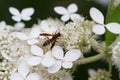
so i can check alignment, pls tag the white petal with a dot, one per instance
(36, 50)
(55, 68)
(16, 18)
(34, 33)
(113, 27)
(57, 52)
(27, 12)
(19, 26)
(67, 64)
(48, 61)
(96, 15)
(15, 76)
(23, 69)
(61, 10)
(32, 41)
(91, 72)
(65, 17)
(33, 61)
(73, 55)
(33, 76)
(44, 25)
(73, 8)
(98, 29)
(4, 55)
(26, 18)
(14, 11)
(21, 36)
(76, 16)
(3, 23)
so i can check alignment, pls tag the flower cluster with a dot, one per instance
(101, 75)
(116, 55)
(48, 50)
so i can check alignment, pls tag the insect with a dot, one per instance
(51, 40)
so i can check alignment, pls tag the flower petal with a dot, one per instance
(76, 16)
(61, 10)
(19, 26)
(57, 52)
(113, 27)
(4, 55)
(26, 13)
(26, 18)
(72, 8)
(14, 11)
(36, 50)
(32, 41)
(16, 18)
(33, 61)
(73, 55)
(21, 36)
(48, 61)
(67, 64)
(91, 72)
(55, 68)
(33, 76)
(96, 15)
(65, 17)
(23, 69)
(98, 29)
(16, 76)
(34, 33)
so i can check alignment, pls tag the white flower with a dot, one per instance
(25, 14)
(19, 25)
(37, 53)
(31, 39)
(68, 13)
(63, 61)
(24, 73)
(116, 55)
(47, 60)
(99, 28)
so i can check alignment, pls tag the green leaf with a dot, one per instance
(114, 16)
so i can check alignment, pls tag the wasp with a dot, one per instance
(51, 40)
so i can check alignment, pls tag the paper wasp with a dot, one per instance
(51, 40)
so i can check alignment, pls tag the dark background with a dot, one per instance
(43, 10)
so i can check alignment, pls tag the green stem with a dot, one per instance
(90, 59)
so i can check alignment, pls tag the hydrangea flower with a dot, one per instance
(68, 13)
(38, 57)
(25, 14)
(37, 53)
(31, 39)
(116, 55)
(63, 61)
(24, 73)
(99, 28)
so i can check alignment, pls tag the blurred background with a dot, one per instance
(44, 10)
